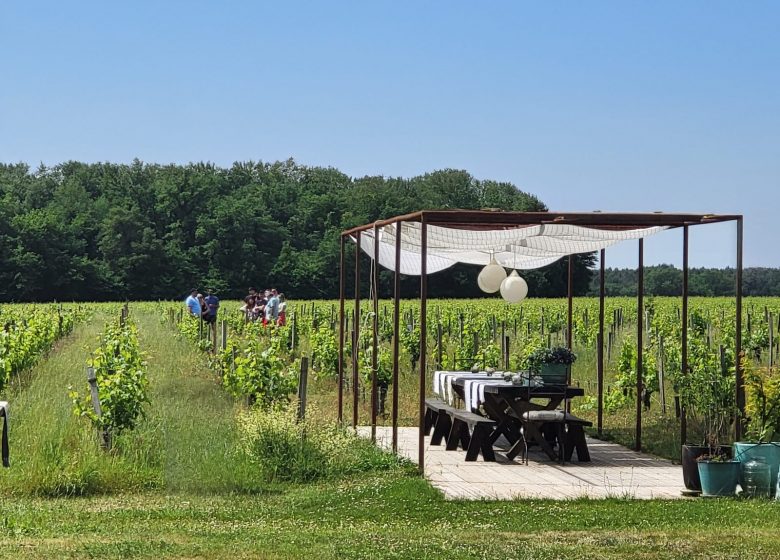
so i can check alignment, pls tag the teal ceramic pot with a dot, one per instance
(719, 479)
(690, 464)
(769, 453)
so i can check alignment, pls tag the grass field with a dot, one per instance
(396, 516)
(179, 486)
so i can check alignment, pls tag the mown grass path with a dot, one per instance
(191, 418)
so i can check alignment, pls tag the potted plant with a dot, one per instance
(718, 473)
(552, 364)
(762, 407)
(707, 394)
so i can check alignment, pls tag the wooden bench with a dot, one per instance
(437, 418)
(477, 441)
(571, 435)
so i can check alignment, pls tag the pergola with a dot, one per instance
(429, 241)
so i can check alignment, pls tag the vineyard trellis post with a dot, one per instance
(771, 340)
(303, 385)
(103, 433)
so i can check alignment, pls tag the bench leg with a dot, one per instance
(562, 443)
(485, 446)
(442, 428)
(430, 420)
(475, 444)
(480, 443)
(459, 434)
(576, 441)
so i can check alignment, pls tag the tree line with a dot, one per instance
(666, 280)
(105, 231)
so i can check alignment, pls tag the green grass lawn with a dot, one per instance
(389, 516)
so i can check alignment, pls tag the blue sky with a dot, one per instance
(636, 106)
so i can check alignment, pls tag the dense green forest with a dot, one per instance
(108, 231)
(142, 231)
(666, 280)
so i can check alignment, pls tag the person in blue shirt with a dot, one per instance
(212, 305)
(192, 303)
(272, 309)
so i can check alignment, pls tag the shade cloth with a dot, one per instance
(524, 247)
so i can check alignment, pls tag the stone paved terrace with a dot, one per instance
(614, 471)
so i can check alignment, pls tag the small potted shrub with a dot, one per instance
(762, 406)
(707, 393)
(552, 364)
(718, 473)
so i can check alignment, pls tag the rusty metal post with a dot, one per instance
(738, 337)
(684, 349)
(600, 355)
(396, 329)
(356, 336)
(342, 274)
(570, 309)
(423, 337)
(375, 345)
(640, 293)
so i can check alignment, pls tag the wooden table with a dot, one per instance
(505, 403)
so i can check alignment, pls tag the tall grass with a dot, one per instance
(305, 450)
(52, 452)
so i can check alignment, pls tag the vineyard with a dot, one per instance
(254, 362)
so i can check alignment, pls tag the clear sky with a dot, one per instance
(620, 105)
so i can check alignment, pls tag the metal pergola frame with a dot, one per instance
(490, 219)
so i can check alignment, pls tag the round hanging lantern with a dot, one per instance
(490, 278)
(514, 288)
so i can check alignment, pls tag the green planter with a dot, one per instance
(690, 464)
(769, 453)
(554, 374)
(719, 478)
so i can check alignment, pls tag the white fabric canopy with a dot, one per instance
(521, 248)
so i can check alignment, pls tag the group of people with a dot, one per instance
(203, 307)
(268, 306)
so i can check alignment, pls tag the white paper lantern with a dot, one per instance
(514, 288)
(490, 278)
